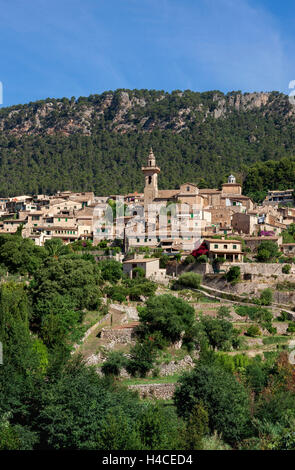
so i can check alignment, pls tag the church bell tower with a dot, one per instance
(150, 172)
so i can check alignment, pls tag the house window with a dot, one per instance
(235, 247)
(225, 247)
(66, 220)
(58, 219)
(216, 247)
(187, 188)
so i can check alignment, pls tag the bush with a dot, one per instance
(224, 397)
(284, 316)
(138, 272)
(142, 357)
(163, 261)
(268, 251)
(275, 340)
(223, 312)
(202, 259)
(286, 269)
(114, 363)
(258, 314)
(189, 280)
(291, 327)
(253, 331)
(233, 275)
(189, 260)
(266, 297)
(117, 293)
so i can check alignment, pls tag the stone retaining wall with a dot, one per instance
(117, 335)
(158, 391)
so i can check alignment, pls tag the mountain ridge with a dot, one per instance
(100, 142)
(130, 110)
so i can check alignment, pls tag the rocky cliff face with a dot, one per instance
(126, 111)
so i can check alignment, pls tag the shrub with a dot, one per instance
(267, 251)
(233, 275)
(291, 327)
(189, 260)
(142, 357)
(202, 259)
(163, 261)
(117, 293)
(114, 363)
(223, 312)
(218, 333)
(266, 297)
(275, 340)
(286, 269)
(189, 280)
(253, 331)
(284, 316)
(138, 272)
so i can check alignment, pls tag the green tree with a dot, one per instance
(233, 275)
(268, 251)
(219, 333)
(266, 297)
(114, 363)
(111, 270)
(225, 399)
(196, 428)
(168, 315)
(56, 248)
(75, 278)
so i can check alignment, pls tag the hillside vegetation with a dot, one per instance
(90, 143)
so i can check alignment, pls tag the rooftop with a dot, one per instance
(140, 260)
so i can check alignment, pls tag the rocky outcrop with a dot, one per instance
(129, 110)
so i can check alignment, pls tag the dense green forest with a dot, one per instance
(99, 143)
(50, 399)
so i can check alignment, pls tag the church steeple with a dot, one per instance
(151, 158)
(151, 172)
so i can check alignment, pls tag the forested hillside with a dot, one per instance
(100, 143)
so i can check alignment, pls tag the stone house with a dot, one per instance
(244, 223)
(151, 267)
(231, 250)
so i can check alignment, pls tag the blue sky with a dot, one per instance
(79, 47)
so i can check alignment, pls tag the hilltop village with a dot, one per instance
(176, 221)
